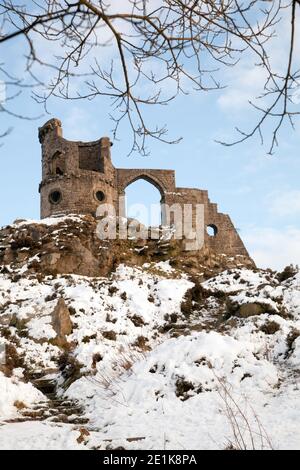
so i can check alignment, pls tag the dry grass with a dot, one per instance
(110, 381)
(20, 405)
(248, 432)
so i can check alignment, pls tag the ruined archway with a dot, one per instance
(143, 202)
(162, 180)
(154, 177)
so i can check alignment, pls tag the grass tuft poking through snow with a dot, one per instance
(151, 369)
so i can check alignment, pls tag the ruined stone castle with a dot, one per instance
(78, 176)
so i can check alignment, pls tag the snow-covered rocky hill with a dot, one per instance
(149, 357)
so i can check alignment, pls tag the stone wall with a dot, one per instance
(79, 176)
(89, 157)
(163, 180)
(86, 171)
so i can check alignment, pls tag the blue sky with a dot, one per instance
(260, 192)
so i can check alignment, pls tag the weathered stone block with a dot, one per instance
(61, 320)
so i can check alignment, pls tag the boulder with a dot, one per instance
(251, 309)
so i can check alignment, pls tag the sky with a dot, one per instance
(261, 193)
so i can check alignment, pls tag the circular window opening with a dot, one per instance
(212, 230)
(55, 197)
(100, 196)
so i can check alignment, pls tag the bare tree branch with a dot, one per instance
(157, 50)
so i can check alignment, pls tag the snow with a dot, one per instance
(146, 400)
(235, 280)
(295, 357)
(40, 327)
(163, 266)
(35, 435)
(49, 221)
(13, 390)
(173, 388)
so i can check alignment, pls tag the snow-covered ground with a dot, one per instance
(151, 374)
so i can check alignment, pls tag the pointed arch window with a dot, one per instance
(57, 164)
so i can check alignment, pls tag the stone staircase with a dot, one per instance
(53, 408)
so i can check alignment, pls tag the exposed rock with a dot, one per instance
(270, 327)
(5, 319)
(251, 309)
(111, 335)
(71, 246)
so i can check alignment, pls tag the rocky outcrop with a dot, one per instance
(70, 245)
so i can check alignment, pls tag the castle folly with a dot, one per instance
(78, 176)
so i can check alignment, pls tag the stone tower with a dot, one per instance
(78, 176)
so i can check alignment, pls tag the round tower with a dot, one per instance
(76, 176)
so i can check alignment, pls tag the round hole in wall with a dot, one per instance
(55, 197)
(212, 230)
(100, 196)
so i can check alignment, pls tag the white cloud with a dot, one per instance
(78, 124)
(246, 80)
(286, 203)
(273, 248)
(246, 83)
